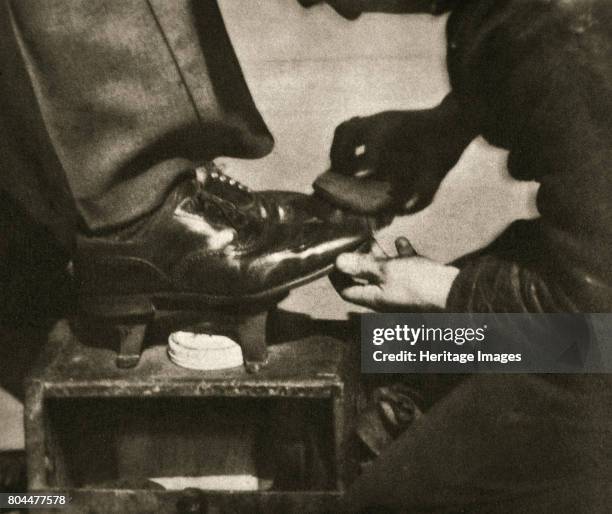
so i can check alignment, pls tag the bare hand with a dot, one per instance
(383, 283)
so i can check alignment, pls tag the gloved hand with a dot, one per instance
(394, 160)
(345, 8)
(351, 9)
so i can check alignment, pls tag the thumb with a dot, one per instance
(404, 248)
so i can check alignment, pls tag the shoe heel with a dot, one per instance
(131, 341)
(251, 336)
(129, 316)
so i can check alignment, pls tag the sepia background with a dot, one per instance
(308, 71)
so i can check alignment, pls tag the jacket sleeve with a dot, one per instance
(556, 96)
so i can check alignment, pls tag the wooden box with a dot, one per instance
(99, 433)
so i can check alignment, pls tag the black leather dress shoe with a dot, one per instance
(213, 242)
(216, 239)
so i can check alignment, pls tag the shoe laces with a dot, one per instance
(216, 173)
(213, 183)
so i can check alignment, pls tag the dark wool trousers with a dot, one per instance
(103, 103)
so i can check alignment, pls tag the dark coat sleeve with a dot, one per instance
(538, 75)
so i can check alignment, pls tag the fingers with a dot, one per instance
(342, 7)
(424, 188)
(345, 8)
(360, 265)
(404, 248)
(348, 137)
(377, 251)
(364, 295)
(351, 266)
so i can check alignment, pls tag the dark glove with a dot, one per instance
(344, 8)
(351, 9)
(394, 160)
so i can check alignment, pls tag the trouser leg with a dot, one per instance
(125, 96)
(499, 444)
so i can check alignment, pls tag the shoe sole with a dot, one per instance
(144, 305)
(242, 317)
